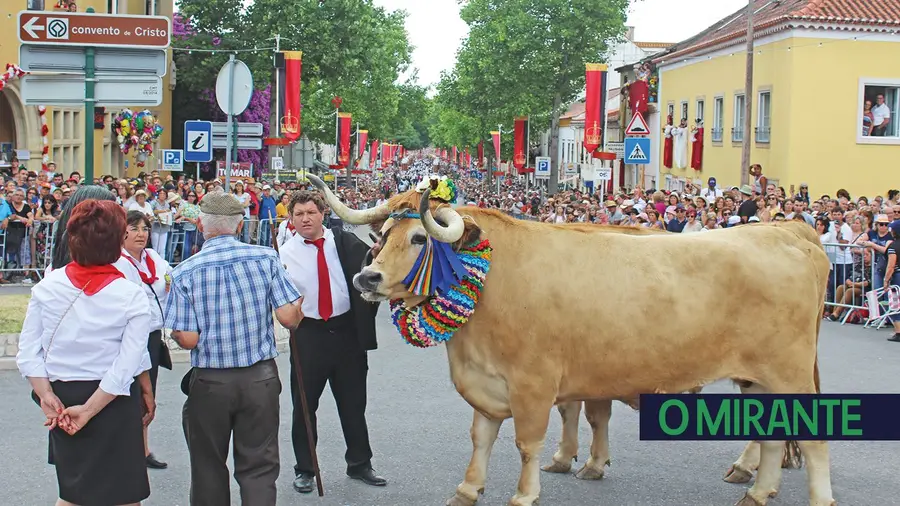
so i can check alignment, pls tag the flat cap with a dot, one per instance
(221, 204)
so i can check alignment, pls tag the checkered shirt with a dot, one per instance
(227, 292)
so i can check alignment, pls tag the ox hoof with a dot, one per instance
(460, 500)
(558, 467)
(590, 473)
(737, 475)
(793, 458)
(748, 500)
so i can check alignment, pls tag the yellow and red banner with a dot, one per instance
(595, 106)
(289, 123)
(343, 140)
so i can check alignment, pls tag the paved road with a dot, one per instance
(420, 433)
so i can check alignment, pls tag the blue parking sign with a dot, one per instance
(173, 159)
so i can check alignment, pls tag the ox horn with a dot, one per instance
(351, 216)
(447, 234)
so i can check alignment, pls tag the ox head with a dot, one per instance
(407, 222)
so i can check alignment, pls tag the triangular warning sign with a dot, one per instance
(637, 154)
(637, 126)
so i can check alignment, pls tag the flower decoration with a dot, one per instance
(138, 132)
(442, 188)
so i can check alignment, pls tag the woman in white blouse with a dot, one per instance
(140, 203)
(155, 274)
(83, 346)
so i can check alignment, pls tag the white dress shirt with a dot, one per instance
(158, 287)
(284, 235)
(103, 337)
(302, 264)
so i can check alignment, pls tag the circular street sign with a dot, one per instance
(242, 90)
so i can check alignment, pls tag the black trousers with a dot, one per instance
(241, 403)
(330, 352)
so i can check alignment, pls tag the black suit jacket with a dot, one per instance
(352, 252)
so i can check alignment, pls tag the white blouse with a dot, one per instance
(159, 286)
(103, 337)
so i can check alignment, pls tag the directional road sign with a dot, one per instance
(91, 29)
(220, 129)
(70, 59)
(638, 125)
(616, 147)
(637, 150)
(112, 90)
(173, 159)
(243, 143)
(198, 146)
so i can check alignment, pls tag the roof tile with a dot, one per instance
(769, 13)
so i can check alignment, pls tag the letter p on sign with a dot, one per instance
(173, 159)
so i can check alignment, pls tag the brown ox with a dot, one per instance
(545, 338)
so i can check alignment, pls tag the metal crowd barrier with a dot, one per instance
(11, 262)
(848, 282)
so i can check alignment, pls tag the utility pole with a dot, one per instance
(748, 99)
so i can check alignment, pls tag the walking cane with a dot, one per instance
(303, 404)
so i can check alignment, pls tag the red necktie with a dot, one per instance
(325, 307)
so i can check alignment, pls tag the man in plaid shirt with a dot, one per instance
(220, 307)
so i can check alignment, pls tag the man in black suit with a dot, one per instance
(334, 337)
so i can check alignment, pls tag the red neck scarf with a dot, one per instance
(291, 228)
(93, 278)
(150, 267)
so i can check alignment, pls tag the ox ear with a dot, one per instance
(471, 234)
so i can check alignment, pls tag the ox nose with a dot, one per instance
(367, 281)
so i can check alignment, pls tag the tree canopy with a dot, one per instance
(351, 49)
(523, 57)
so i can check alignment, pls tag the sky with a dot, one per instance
(435, 29)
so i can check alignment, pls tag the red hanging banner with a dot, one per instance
(385, 154)
(373, 154)
(362, 141)
(453, 156)
(594, 106)
(481, 154)
(468, 158)
(344, 120)
(520, 129)
(495, 136)
(290, 120)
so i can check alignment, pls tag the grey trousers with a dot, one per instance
(242, 403)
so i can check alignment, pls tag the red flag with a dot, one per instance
(362, 141)
(480, 153)
(290, 121)
(344, 120)
(373, 154)
(520, 159)
(496, 138)
(468, 158)
(697, 148)
(594, 106)
(453, 156)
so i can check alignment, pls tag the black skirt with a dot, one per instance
(103, 464)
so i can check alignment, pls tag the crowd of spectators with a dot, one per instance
(858, 232)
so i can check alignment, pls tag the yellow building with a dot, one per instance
(816, 64)
(20, 125)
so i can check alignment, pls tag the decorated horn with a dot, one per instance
(351, 216)
(446, 234)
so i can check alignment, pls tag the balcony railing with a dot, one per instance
(717, 134)
(762, 134)
(737, 135)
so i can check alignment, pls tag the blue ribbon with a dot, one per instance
(447, 269)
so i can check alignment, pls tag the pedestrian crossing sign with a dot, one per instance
(637, 150)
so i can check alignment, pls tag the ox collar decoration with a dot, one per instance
(437, 319)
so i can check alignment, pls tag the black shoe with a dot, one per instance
(895, 338)
(367, 476)
(153, 463)
(304, 483)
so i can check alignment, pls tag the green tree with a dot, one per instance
(351, 49)
(527, 57)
